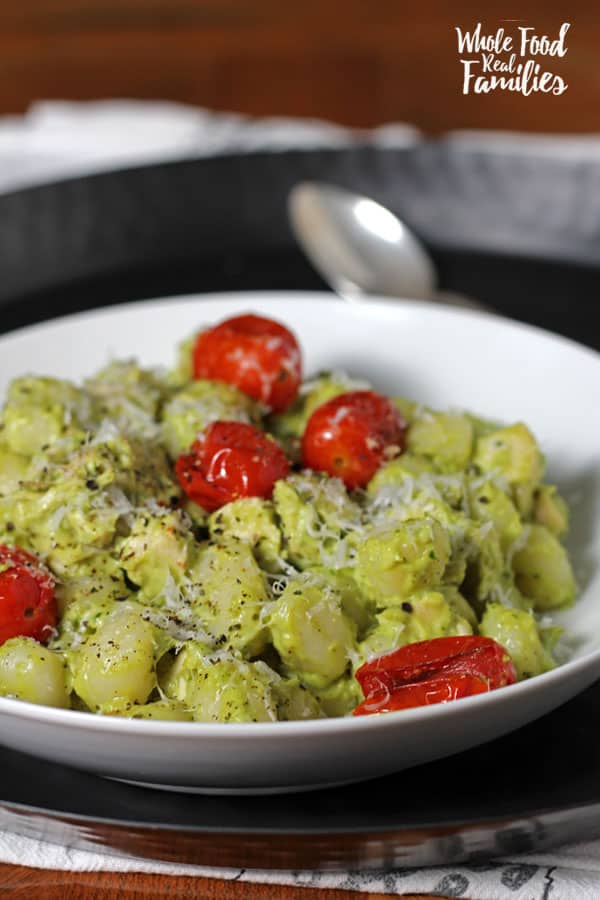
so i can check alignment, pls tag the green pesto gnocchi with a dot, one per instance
(263, 609)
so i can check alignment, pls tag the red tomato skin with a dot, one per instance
(350, 436)
(469, 654)
(27, 601)
(425, 693)
(415, 674)
(230, 460)
(258, 355)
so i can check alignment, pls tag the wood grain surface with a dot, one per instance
(356, 63)
(24, 884)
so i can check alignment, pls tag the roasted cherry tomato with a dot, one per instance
(228, 461)
(426, 693)
(433, 671)
(27, 601)
(257, 355)
(351, 435)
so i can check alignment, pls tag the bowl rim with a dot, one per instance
(89, 721)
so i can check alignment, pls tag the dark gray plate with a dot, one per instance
(527, 791)
(519, 233)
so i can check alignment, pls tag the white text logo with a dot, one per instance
(511, 62)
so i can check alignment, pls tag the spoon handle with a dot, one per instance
(450, 298)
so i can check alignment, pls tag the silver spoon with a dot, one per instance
(360, 247)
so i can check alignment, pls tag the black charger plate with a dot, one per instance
(527, 791)
(519, 233)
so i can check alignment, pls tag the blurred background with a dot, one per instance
(218, 107)
(354, 62)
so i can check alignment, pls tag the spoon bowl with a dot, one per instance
(358, 245)
(361, 248)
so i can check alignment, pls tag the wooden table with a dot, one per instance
(334, 59)
(23, 884)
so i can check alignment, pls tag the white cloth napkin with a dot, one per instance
(570, 873)
(59, 140)
(558, 146)
(62, 139)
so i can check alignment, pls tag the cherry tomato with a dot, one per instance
(433, 690)
(259, 356)
(351, 435)
(228, 461)
(27, 601)
(433, 671)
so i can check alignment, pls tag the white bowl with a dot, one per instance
(442, 357)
